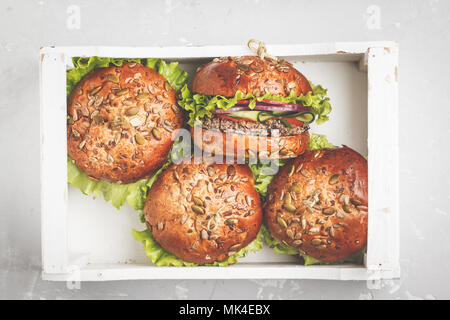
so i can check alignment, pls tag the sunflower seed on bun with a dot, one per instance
(121, 121)
(318, 204)
(282, 127)
(204, 213)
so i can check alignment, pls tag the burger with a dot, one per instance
(204, 213)
(259, 107)
(121, 116)
(317, 205)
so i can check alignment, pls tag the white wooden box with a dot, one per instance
(87, 239)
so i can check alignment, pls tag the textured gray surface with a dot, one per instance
(421, 26)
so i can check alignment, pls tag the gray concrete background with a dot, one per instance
(422, 29)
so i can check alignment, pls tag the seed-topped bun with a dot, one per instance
(318, 204)
(121, 121)
(204, 213)
(249, 74)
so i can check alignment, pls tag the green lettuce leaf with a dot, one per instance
(200, 105)
(281, 248)
(160, 257)
(278, 247)
(133, 193)
(262, 179)
(176, 77)
(319, 141)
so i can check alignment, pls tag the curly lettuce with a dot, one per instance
(133, 193)
(176, 77)
(200, 105)
(319, 141)
(277, 247)
(262, 180)
(160, 257)
(281, 248)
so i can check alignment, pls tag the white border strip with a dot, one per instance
(53, 163)
(383, 237)
(219, 51)
(239, 271)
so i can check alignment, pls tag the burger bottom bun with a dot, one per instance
(236, 145)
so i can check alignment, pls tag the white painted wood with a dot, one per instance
(383, 238)
(53, 162)
(362, 65)
(238, 271)
(72, 249)
(318, 49)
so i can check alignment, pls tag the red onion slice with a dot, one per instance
(265, 105)
(232, 109)
(285, 107)
(273, 102)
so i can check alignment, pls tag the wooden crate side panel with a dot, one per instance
(53, 163)
(383, 239)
